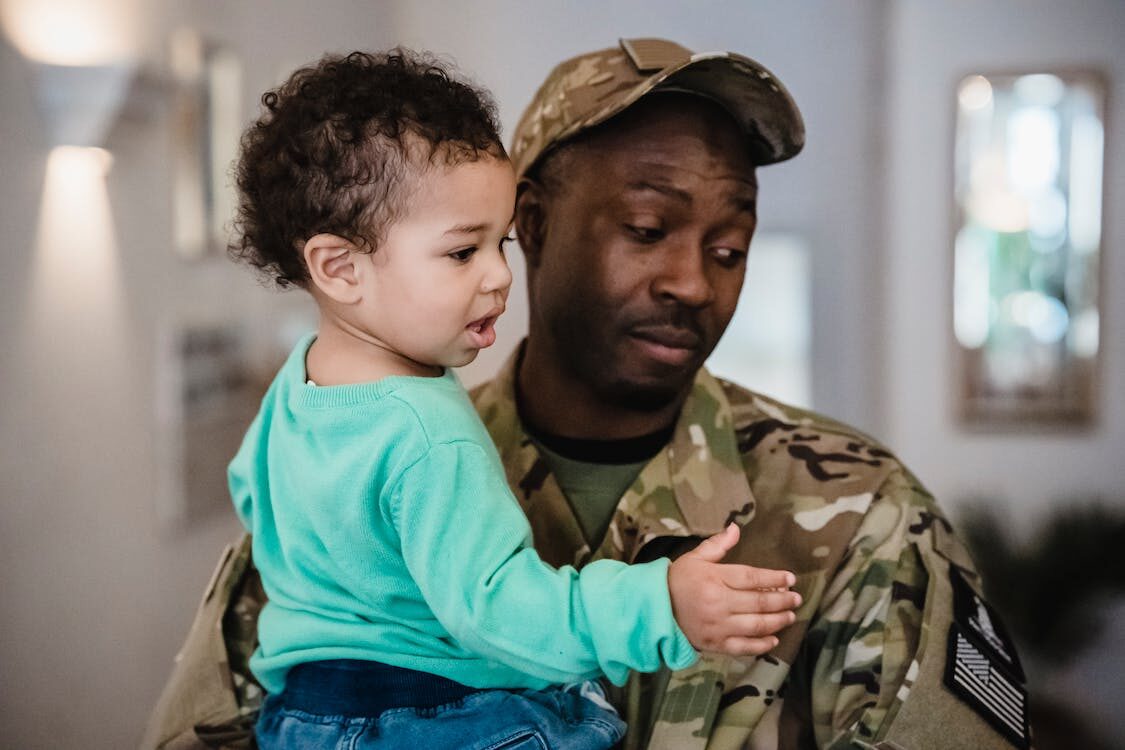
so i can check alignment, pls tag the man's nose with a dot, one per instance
(682, 276)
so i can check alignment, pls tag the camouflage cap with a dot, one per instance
(591, 88)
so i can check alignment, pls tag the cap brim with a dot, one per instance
(750, 93)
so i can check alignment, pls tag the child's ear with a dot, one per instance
(331, 261)
(531, 219)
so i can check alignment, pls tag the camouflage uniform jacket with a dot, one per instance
(862, 666)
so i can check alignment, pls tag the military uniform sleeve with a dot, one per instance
(904, 653)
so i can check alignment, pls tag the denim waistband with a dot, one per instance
(357, 688)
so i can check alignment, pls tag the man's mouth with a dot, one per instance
(671, 344)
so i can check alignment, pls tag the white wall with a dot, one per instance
(1030, 472)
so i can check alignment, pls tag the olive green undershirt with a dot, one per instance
(592, 489)
(593, 474)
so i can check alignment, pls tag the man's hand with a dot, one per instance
(729, 609)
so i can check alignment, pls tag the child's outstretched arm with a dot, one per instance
(730, 609)
(472, 560)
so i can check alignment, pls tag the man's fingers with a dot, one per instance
(713, 548)
(750, 602)
(747, 577)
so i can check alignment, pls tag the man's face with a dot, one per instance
(646, 226)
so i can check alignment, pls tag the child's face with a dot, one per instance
(440, 279)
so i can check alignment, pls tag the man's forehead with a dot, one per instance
(671, 172)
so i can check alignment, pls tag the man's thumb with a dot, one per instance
(714, 548)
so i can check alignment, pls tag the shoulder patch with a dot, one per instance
(982, 667)
(973, 613)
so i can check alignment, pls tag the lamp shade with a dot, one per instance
(80, 103)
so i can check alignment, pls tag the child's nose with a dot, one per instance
(498, 278)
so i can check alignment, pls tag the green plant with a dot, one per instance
(1047, 589)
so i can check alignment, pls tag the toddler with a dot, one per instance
(407, 607)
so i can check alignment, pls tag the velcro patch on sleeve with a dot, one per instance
(982, 667)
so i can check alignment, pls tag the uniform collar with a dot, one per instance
(694, 487)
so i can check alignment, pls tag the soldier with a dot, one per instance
(635, 209)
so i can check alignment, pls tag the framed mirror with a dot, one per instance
(1028, 190)
(207, 123)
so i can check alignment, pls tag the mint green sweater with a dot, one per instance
(384, 529)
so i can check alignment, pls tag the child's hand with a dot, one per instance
(730, 609)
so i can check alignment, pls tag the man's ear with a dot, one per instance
(531, 219)
(331, 261)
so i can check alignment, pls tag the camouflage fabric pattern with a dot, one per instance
(811, 496)
(211, 699)
(240, 628)
(590, 88)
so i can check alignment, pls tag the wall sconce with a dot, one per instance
(80, 103)
(82, 57)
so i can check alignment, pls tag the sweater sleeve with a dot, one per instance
(467, 544)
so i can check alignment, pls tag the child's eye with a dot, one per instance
(463, 254)
(505, 241)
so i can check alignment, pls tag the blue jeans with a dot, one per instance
(326, 708)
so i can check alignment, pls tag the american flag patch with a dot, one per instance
(979, 619)
(978, 678)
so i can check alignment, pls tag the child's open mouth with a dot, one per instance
(482, 330)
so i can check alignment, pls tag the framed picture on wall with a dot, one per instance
(207, 395)
(1028, 185)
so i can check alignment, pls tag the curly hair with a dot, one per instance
(338, 147)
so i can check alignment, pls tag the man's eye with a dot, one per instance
(645, 234)
(463, 254)
(728, 257)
